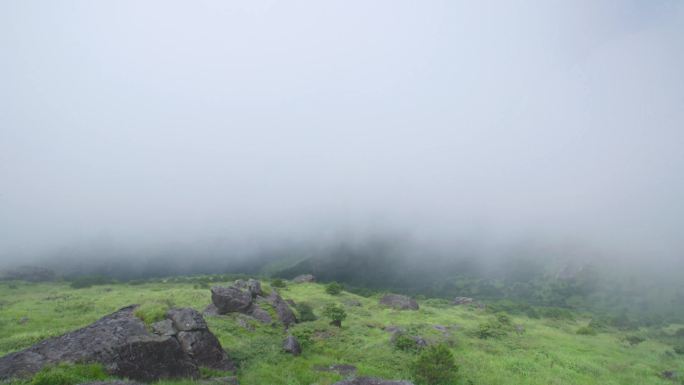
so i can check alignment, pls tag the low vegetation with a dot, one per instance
(465, 344)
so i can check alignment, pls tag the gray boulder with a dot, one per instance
(150, 358)
(251, 285)
(291, 345)
(304, 278)
(260, 314)
(230, 299)
(371, 381)
(399, 302)
(122, 344)
(186, 319)
(164, 328)
(205, 349)
(285, 314)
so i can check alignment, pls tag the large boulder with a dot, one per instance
(230, 299)
(304, 278)
(285, 314)
(122, 344)
(371, 381)
(251, 285)
(150, 358)
(400, 302)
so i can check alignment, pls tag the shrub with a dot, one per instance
(333, 288)
(305, 311)
(405, 342)
(490, 330)
(679, 332)
(634, 340)
(68, 374)
(679, 349)
(556, 313)
(503, 319)
(586, 331)
(335, 313)
(435, 366)
(278, 283)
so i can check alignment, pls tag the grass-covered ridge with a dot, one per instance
(489, 348)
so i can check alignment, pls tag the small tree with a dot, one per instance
(306, 313)
(435, 366)
(278, 283)
(333, 288)
(335, 313)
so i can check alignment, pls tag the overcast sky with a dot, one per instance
(148, 122)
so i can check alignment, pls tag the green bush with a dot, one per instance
(556, 313)
(68, 374)
(679, 349)
(679, 332)
(634, 340)
(405, 342)
(278, 283)
(586, 331)
(305, 311)
(435, 366)
(334, 288)
(487, 330)
(335, 313)
(503, 319)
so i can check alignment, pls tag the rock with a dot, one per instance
(164, 328)
(285, 314)
(211, 310)
(150, 358)
(260, 314)
(230, 299)
(371, 381)
(251, 285)
(291, 345)
(122, 344)
(669, 375)
(399, 302)
(304, 278)
(462, 301)
(23, 320)
(343, 370)
(205, 349)
(186, 319)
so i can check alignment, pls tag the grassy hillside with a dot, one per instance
(547, 351)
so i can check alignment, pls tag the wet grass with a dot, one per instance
(547, 352)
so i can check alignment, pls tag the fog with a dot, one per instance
(249, 127)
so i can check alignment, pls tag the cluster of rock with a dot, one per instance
(246, 297)
(122, 344)
(399, 302)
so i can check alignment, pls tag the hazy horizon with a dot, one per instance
(161, 125)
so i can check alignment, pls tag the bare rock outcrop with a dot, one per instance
(121, 343)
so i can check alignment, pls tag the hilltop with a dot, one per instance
(490, 347)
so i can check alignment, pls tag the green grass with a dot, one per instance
(548, 352)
